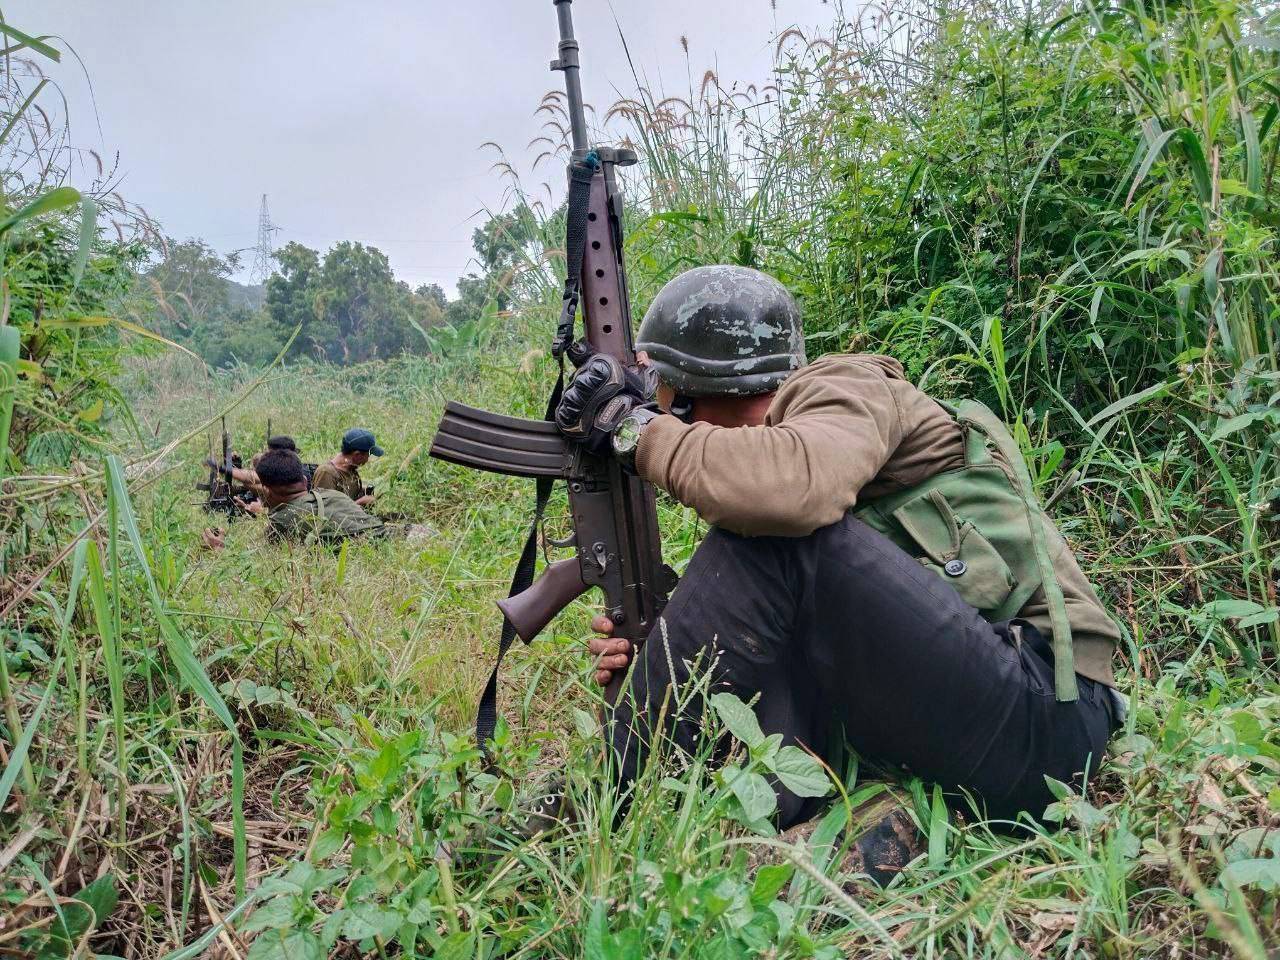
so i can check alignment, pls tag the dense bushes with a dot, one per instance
(1067, 211)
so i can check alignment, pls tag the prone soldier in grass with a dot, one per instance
(294, 512)
(878, 570)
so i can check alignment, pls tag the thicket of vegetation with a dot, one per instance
(345, 305)
(1068, 211)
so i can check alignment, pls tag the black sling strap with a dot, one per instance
(580, 174)
(487, 710)
(575, 245)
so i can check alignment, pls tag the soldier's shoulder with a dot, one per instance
(846, 367)
(305, 504)
(877, 363)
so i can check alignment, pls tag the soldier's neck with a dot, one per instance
(732, 411)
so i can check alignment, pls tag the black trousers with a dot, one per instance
(847, 638)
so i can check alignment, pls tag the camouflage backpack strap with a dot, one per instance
(318, 524)
(975, 444)
(980, 422)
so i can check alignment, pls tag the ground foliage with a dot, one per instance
(1068, 211)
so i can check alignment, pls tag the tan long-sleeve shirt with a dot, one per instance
(842, 431)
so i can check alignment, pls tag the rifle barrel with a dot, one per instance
(568, 63)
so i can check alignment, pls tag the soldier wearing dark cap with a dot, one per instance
(342, 473)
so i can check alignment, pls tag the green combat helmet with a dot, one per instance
(723, 331)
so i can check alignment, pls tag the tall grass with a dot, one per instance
(1065, 210)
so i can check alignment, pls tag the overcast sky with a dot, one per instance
(359, 120)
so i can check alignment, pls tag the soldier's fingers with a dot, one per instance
(601, 624)
(603, 677)
(618, 662)
(603, 646)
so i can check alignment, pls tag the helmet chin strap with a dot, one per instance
(682, 407)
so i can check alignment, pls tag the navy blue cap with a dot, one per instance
(357, 439)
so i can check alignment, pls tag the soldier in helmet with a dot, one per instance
(878, 570)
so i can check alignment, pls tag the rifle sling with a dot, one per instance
(581, 173)
(487, 710)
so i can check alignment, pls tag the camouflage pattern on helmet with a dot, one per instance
(723, 331)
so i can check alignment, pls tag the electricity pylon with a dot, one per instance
(262, 253)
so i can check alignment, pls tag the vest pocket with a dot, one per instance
(956, 550)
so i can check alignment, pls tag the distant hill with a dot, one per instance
(251, 295)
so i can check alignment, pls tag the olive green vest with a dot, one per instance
(982, 532)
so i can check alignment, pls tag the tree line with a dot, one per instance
(346, 303)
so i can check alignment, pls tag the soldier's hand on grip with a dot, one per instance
(611, 654)
(601, 393)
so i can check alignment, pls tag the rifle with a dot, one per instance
(221, 485)
(614, 515)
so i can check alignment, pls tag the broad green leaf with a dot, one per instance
(937, 831)
(1231, 609)
(18, 755)
(1059, 789)
(365, 920)
(457, 946)
(770, 880)
(26, 41)
(1124, 403)
(587, 725)
(1225, 428)
(88, 230)
(593, 941)
(282, 945)
(98, 899)
(328, 844)
(1254, 842)
(753, 792)
(800, 773)
(331, 928)
(275, 914)
(57, 199)
(1262, 873)
(738, 718)
(1248, 729)
(1259, 619)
